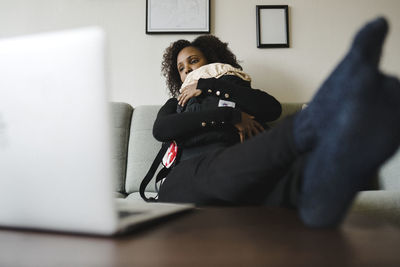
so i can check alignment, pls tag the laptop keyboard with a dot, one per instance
(123, 214)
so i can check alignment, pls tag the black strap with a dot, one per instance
(146, 180)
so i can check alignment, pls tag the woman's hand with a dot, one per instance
(248, 127)
(187, 93)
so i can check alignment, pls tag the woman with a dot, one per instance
(310, 161)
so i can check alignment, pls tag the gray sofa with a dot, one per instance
(135, 149)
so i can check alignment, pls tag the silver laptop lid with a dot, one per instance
(55, 167)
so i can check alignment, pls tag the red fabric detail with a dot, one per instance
(170, 156)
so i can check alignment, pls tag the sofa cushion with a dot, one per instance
(380, 203)
(143, 148)
(121, 114)
(135, 197)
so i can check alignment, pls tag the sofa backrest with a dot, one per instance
(389, 174)
(143, 147)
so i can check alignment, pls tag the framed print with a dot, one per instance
(177, 16)
(272, 26)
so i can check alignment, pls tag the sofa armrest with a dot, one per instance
(121, 114)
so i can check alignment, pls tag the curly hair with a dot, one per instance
(214, 50)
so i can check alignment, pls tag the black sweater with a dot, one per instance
(170, 125)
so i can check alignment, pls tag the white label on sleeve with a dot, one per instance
(224, 103)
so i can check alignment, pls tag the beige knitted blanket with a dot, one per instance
(213, 70)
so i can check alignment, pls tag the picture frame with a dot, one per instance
(177, 16)
(272, 26)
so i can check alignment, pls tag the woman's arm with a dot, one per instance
(252, 101)
(170, 125)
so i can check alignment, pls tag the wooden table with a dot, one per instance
(244, 236)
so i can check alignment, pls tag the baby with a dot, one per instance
(213, 70)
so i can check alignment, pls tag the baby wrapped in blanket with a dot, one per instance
(213, 70)
(211, 101)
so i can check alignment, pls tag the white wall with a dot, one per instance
(321, 31)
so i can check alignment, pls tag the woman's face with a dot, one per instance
(189, 59)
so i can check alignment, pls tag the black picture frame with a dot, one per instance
(178, 17)
(272, 26)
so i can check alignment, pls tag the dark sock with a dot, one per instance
(366, 49)
(363, 135)
(358, 136)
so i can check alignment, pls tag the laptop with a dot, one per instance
(55, 142)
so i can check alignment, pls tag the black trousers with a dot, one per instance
(264, 170)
